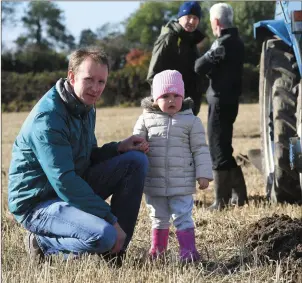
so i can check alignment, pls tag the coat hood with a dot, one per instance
(173, 26)
(148, 104)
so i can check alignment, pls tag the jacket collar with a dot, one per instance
(231, 31)
(192, 37)
(73, 104)
(147, 104)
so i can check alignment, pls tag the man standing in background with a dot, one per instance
(176, 49)
(223, 64)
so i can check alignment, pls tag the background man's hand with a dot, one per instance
(203, 183)
(134, 143)
(216, 53)
(120, 240)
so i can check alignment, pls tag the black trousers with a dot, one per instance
(196, 97)
(221, 117)
(197, 104)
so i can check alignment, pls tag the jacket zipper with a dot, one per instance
(84, 132)
(178, 44)
(166, 161)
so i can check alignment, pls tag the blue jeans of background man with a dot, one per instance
(60, 227)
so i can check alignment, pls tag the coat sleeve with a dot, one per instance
(205, 63)
(200, 150)
(160, 52)
(105, 152)
(50, 143)
(140, 128)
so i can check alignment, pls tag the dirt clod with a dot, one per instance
(275, 238)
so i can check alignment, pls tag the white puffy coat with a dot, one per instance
(178, 151)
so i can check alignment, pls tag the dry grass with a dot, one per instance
(217, 233)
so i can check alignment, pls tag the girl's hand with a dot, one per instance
(203, 183)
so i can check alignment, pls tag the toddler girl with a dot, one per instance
(178, 156)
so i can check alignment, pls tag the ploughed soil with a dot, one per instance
(275, 238)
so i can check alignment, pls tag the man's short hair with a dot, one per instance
(93, 52)
(224, 13)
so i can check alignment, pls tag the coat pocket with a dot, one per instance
(190, 171)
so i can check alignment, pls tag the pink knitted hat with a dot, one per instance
(168, 81)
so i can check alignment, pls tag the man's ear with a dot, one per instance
(71, 77)
(217, 22)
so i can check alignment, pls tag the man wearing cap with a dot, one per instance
(176, 49)
(223, 64)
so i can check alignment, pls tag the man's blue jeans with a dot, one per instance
(61, 228)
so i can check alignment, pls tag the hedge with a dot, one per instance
(124, 87)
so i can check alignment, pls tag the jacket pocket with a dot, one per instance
(189, 171)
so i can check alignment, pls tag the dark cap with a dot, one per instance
(190, 8)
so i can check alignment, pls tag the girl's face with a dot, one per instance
(170, 103)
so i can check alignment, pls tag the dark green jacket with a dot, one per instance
(176, 49)
(55, 146)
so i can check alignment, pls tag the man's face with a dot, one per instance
(89, 81)
(189, 22)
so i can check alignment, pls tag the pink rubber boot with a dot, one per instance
(159, 242)
(186, 240)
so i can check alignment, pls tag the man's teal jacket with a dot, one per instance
(50, 155)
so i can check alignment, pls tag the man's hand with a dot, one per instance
(120, 240)
(216, 53)
(134, 143)
(203, 183)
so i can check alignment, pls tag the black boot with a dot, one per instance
(223, 189)
(114, 260)
(239, 194)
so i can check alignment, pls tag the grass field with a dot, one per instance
(217, 234)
